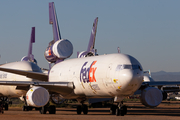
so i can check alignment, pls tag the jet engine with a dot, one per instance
(61, 49)
(37, 96)
(86, 54)
(26, 58)
(151, 97)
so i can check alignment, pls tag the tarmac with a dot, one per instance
(136, 111)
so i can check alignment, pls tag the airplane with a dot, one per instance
(27, 63)
(89, 77)
(161, 85)
(92, 52)
(114, 76)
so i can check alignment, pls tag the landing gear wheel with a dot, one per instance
(43, 110)
(124, 109)
(52, 109)
(113, 110)
(25, 108)
(79, 109)
(121, 112)
(121, 109)
(117, 112)
(6, 106)
(29, 108)
(85, 109)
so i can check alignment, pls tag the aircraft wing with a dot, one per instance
(29, 74)
(62, 88)
(168, 85)
(161, 83)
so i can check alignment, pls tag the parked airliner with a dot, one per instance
(104, 76)
(27, 63)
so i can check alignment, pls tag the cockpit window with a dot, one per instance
(132, 67)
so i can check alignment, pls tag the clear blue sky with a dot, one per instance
(147, 30)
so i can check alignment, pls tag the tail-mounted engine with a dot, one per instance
(26, 58)
(86, 54)
(37, 97)
(59, 50)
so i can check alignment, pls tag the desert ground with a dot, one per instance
(167, 110)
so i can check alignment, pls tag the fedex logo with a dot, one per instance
(87, 73)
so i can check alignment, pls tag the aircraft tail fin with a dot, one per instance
(53, 20)
(93, 36)
(32, 40)
(30, 56)
(90, 50)
(58, 49)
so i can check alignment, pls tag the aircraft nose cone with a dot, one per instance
(131, 80)
(126, 76)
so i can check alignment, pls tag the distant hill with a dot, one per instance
(165, 76)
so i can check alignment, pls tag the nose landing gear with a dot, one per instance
(118, 109)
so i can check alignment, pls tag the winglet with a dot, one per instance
(93, 36)
(53, 20)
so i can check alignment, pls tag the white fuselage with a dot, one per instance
(11, 91)
(100, 76)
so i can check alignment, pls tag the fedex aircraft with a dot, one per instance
(27, 63)
(146, 80)
(104, 76)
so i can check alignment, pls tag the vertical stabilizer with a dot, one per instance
(58, 49)
(30, 56)
(53, 20)
(90, 50)
(93, 36)
(32, 40)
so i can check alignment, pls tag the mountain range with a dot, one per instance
(165, 76)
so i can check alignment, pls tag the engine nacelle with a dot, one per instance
(151, 97)
(26, 58)
(37, 96)
(61, 49)
(85, 54)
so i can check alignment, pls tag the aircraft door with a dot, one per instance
(108, 80)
